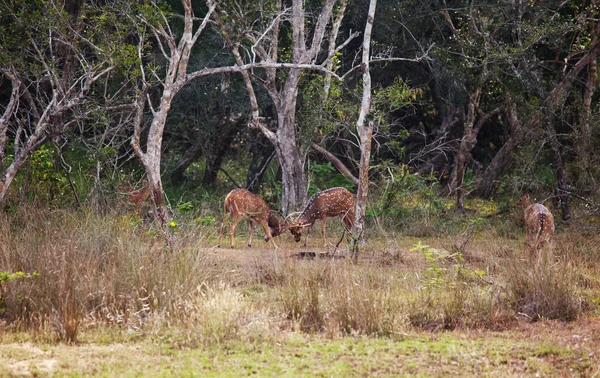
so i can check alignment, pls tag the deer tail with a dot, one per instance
(227, 205)
(541, 226)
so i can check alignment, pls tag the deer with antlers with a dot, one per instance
(539, 223)
(329, 203)
(240, 204)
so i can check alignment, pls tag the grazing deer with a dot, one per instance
(240, 204)
(136, 196)
(539, 223)
(329, 203)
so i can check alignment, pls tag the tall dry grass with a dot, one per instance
(113, 271)
(103, 268)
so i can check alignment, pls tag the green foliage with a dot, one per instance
(325, 176)
(7, 276)
(205, 220)
(185, 207)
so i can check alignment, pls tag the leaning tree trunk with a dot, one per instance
(467, 144)
(220, 146)
(190, 156)
(262, 154)
(503, 159)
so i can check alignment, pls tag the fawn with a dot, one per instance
(539, 223)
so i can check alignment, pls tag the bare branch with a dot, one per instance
(216, 70)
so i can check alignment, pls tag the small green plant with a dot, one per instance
(434, 274)
(185, 207)
(7, 276)
(205, 220)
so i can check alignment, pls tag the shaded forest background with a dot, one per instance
(471, 100)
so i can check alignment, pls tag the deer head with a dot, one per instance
(329, 203)
(276, 226)
(524, 201)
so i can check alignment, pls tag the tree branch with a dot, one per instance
(337, 163)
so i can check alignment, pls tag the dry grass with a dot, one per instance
(112, 271)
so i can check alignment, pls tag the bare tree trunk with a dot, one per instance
(176, 78)
(584, 150)
(467, 143)
(305, 50)
(365, 133)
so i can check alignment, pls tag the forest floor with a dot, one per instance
(516, 348)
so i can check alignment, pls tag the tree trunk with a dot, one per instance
(293, 180)
(176, 77)
(467, 143)
(305, 49)
(561, 175)
(584, 145)
(152, 158)
(503, 159)
(365, 134)
(191, 155)
(220, 147)
(287, 149)
(262, 154)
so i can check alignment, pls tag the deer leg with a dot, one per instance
(529, 238)
(308, 228)
(265, 227)
(234, 224)
(222, 230)
(250, 232)
(348, 222)
(323, 222)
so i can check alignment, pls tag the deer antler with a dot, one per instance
(289, 215)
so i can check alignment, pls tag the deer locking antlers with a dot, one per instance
(329, 203)
(240, 204)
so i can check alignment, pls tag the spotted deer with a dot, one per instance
(329, 203)
(539, 223)
(240, 204)
(136, 196)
